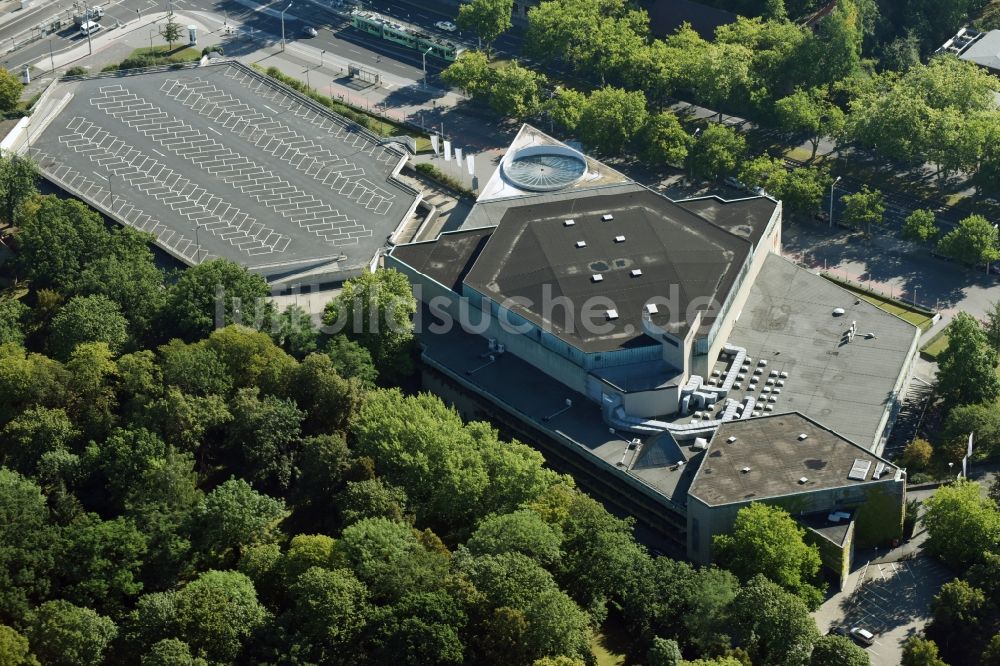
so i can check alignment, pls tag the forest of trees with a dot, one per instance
(806, 84)
(173, 491)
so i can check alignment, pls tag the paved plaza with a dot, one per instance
(219, 161)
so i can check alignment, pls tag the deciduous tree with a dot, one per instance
(920, 226)
(773, 625)
(62, 634)
(611, 118)
(837, 651)
(973, 242)
(214, 294)
(516, 91)
(375, 309)
(487, 18)
(664, 140)
(87, 319)
(809, 112)
(967, 367)
(765, 540)
(717, 152)
(961, 524)
(863, 209)
(18, 176)
(10, 90)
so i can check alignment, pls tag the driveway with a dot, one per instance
(891, 599)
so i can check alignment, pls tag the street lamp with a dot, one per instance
(152, 31)
(283, 24)
(836, 180)
(111, 188)
(197, 242)
(52, 60)
(86, 18)
(424, 57)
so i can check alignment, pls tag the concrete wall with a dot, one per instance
(650, 404)
(769, 242)
(836, 559)
(878, 519)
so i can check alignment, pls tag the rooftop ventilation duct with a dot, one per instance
(569, 223)
(581, 243)
(651, 308)
(597, 277)
(745, 470)
(612, 314)
(837, 312)
(636, 272)
(802, 436)
(803, 480)
(730, 440)
(619, 239)
(607, 217)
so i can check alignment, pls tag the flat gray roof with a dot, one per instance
(985, 51)
(272, 180)
(768, 459)
(678, 254)
(788, 321)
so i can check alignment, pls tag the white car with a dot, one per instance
(89, 28)
(309, 32)
(447, 26)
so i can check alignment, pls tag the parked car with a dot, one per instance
(309, 31)
(839, 630)
(447, 26)
(89, 28)
(862, 636)
(96, 14)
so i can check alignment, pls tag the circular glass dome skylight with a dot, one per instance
(545, 168)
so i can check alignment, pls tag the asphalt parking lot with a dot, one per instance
(218, 161)
(890, 599)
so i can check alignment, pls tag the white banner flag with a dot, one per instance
(447, 150)
(434, 143)
(458, 156)
(969, 450)
(470, 162)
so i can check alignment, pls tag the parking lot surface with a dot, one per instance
(890, 599)
(219, 161)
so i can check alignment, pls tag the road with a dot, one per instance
(262, 19)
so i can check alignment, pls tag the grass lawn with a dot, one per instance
(605, 657)
(893, 307)
(164, 52)
(936, 346)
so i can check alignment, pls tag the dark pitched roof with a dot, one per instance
(666, 16)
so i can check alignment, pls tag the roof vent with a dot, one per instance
(651, 308)
(802, 436)
(607, 217)
(730, 440)
(569, 223)
(837, 312)
(581, 243)
(636, 272)
(597, 277)
(612, 314)
(803, 480)
(619, 239)
(745, 470)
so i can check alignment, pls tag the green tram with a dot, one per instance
(409, 36)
